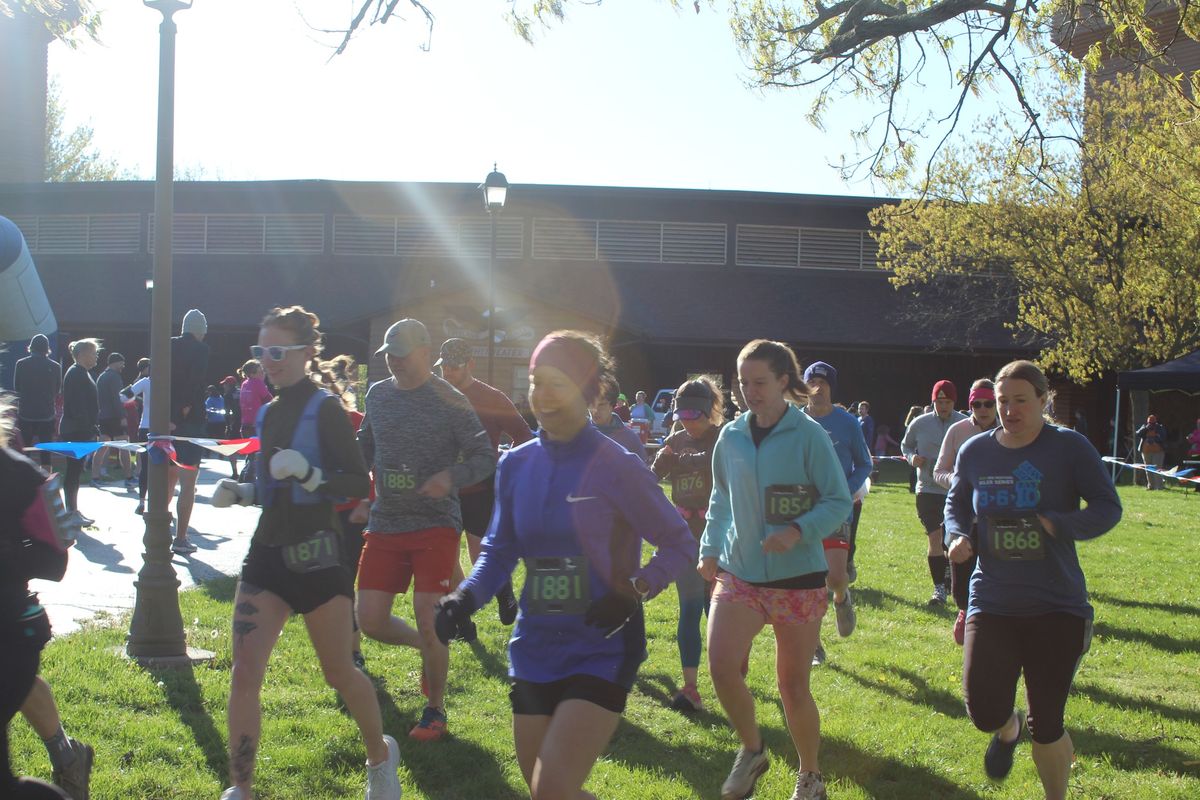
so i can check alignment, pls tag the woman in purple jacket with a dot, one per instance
(575, 507)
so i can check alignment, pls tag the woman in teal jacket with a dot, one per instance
(778, 491)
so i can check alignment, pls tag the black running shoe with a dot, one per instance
(998, 760)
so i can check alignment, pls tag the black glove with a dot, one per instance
(453, 612)
(611, 612)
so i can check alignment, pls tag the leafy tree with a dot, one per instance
(920, 62)
(1092, 245)
(63, 19)
(72, 155)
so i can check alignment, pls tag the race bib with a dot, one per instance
(557, 585)
(397, 481)
(690, 490)
(1015, 538)
(784, 502)
(319, 552)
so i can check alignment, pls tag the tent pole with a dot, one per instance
(1116, 432)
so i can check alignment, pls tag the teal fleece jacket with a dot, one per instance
(796, 451)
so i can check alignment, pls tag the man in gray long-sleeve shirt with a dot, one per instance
(921, 445)
(423, 442)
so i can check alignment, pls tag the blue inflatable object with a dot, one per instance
(24, 309)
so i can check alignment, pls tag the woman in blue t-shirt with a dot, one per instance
(1028, 611)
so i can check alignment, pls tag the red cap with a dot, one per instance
(945, 387)
(229, 379)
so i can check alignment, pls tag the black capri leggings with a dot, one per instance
(21, 645)
(1047, 648)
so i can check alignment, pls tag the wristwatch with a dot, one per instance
(641, 593)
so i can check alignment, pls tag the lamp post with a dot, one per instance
(495, 192)
(156, 630)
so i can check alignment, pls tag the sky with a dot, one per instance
(630, 93)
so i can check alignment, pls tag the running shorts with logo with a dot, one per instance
(424, 558)
(839, 539)
(265, 568)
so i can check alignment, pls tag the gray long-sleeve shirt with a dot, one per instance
(38, 380)
(409, 435)
(924, 438)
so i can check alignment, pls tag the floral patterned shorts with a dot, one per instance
(776, 606)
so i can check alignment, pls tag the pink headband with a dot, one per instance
(982, 393)
(570, 358)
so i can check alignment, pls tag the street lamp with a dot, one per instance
(156, 630)
(495, 192)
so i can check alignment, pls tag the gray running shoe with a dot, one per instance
(382, 781)
(74, 779)
(846, 617)
(819, 656)
(748, 767)
(938, 598)
(810, 786)
(233, 793)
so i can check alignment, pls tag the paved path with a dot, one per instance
(104, 563)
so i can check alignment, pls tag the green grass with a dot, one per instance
(893, 723)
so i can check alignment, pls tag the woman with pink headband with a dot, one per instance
(983, 418)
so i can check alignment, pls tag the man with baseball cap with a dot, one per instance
(1151, 441)
(500, 418)
(423, 442)
(921, 445)
(855, 459)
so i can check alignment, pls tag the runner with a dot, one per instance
(189, 362)
(686, 459)
(111, 418)
(1151, 440)
(500, 418)
(79, 419)
(252, 394)
(24, 628)
(608, 423)
(423, 441)
(778, 492)
(140, 390)
(983, 418)
(921, 444)
(1029, 613)
(70, 759)
(233, 419)
(856, 464)
(37, 380)
(576, 508)
(310, 458)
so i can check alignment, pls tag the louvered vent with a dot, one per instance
(566, 239)
(823, 248)
(767, 246)
(235, 233)
(187, 234)
(295, 233)
(114, 233)
(63, 233)
(364, 236)
(29, 229)
(416, 238)
(693, 243)
(475, 237)
(630, 241)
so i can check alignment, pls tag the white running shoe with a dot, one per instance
(748, 767)
(810, 786)
(382, 781)
(233, 793)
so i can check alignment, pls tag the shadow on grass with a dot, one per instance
(1160, 641)
(1130, 753)
(879, 775)
(661, 688)
(1125, 702)
(1172, 608)
(702, 767)
(450, 769)
(222, 589)
(182, 693)
(878, 598)
(920, 691)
